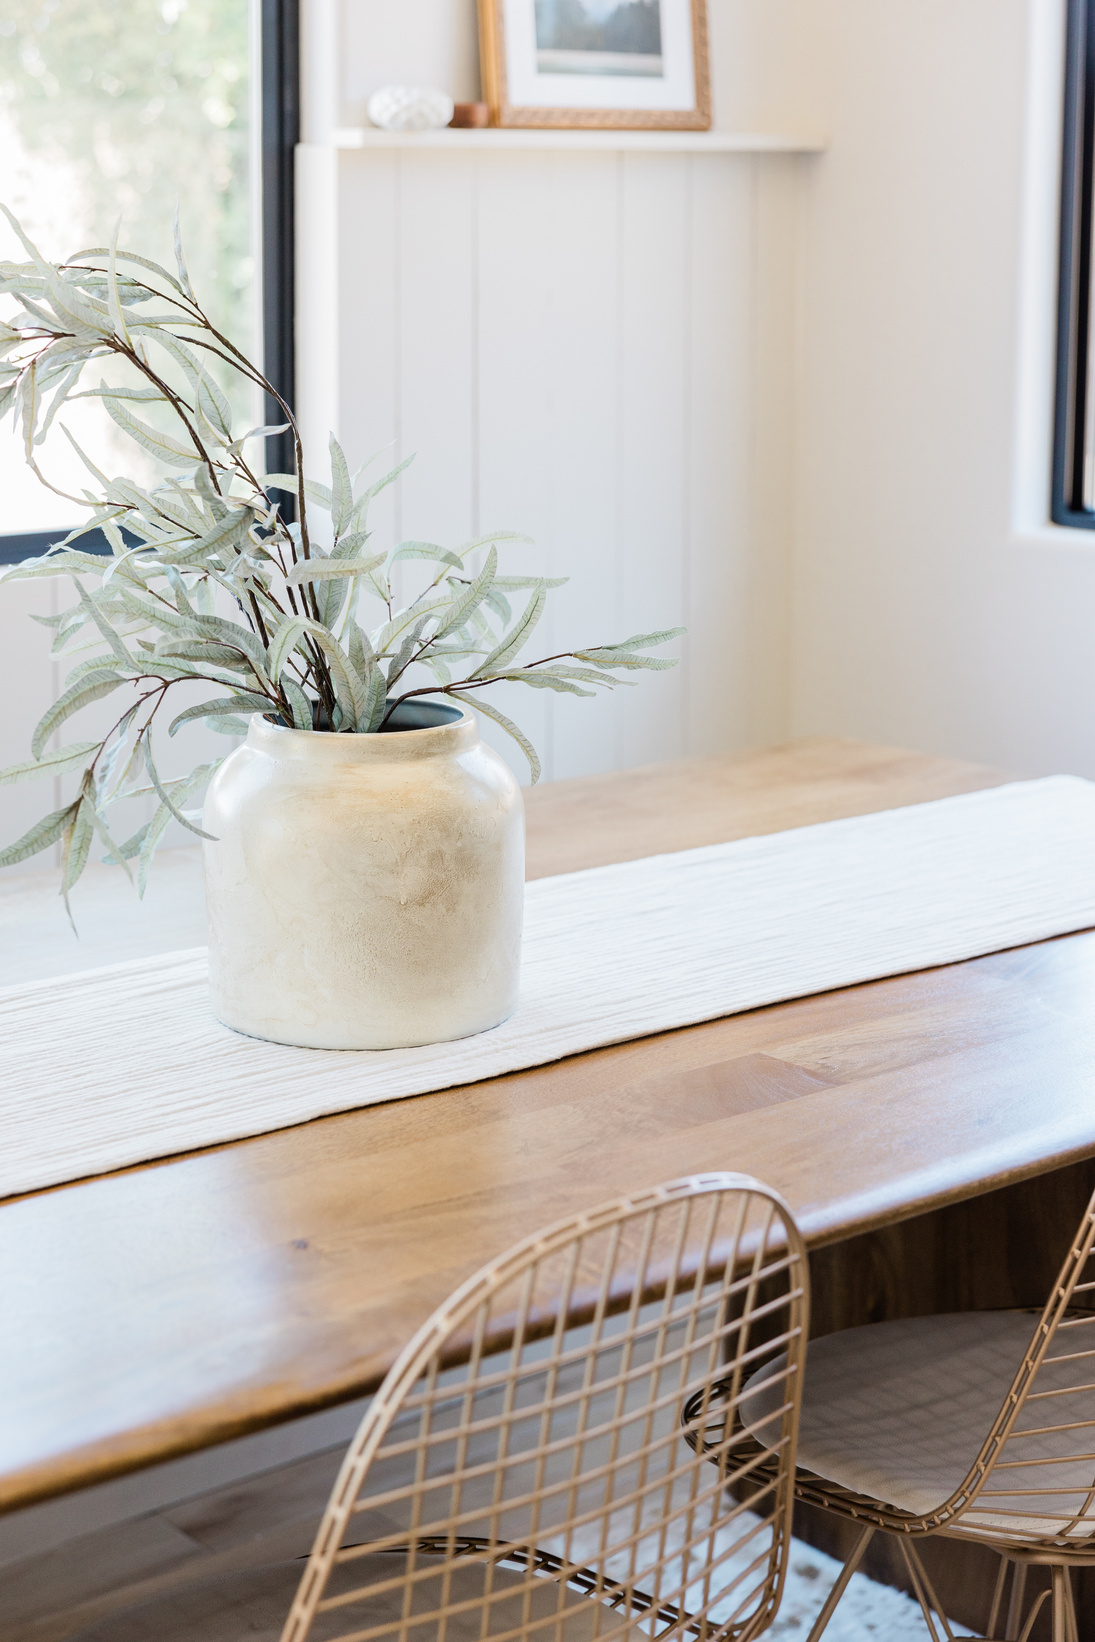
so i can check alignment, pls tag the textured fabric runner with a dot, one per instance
(119, 1065)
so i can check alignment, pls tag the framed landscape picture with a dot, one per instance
(608, 63)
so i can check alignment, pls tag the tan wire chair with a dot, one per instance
(976, 1425)
(521, 1473)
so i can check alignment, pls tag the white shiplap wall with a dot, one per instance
(595, 348)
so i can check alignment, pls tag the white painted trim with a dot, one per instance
(1039, 227)
(1057, 537)
(666, 142)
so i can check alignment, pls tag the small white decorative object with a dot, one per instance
(410, 108)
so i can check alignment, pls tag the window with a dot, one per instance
(1073, 497)
(115, 108)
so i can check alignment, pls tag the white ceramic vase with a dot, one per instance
(365, 891)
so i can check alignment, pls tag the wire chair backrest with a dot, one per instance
(526, 1453)
(1034, 1479)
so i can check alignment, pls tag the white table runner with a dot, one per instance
(119, 1065)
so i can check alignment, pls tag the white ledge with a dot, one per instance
(662, 142)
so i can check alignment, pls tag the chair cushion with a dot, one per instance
(899, 1411)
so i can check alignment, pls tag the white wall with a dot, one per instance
(594, 348)
(932, 605)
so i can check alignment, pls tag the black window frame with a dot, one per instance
(1074, 407)
(279, 69)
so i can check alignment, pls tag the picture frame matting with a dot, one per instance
(596, 64)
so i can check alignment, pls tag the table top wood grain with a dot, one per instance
(168, 1307)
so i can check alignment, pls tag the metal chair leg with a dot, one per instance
(998, 1596)
(925, 1595)
(1015, 1606)
(1024, 1634)
(834, 1596)
(1060, 1605)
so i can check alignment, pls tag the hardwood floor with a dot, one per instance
(268, 1518)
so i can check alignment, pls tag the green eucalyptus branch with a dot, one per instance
(207, 538)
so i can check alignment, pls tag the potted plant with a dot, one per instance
(363, 850)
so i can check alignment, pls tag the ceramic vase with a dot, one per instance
(365, 891)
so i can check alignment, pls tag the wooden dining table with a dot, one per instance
(933, 1133)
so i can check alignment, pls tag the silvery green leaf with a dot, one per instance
(149, 438)
(287, 481)
(267, 431)
(75, 845)
(437, 667)
(507, 724)
(227, 726)
(425, 550)
(52, 564)
(29, 401)
(298, 702)
(361, 506)
(245, 702)
(128, 256)
(113, 855)
(234, 524)
(403, 619)
(152, 395)
(39, 837)
(462, 607)
(283, 642)
(517, 636)
(498, 603)
(375, 705)
(89, 689)
(204, 651)
(359, 650)
(60, 394)
(114, 301)
(586, 675)
(117, 648)
(517, 584)
(150, 837)
(342, 493)
(642, 641)
(82, 313)
(150, 766)
(542, 681)
(184, 277)
(52, 763)
(317, 570)
(406, 652)
(614, 658)
(214, 406)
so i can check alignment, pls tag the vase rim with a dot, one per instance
(454, 735)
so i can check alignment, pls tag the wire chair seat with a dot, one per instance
(895, 1415)
(974, 1425)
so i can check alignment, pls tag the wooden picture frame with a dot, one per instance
(550, 63)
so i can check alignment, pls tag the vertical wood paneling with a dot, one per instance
(775, 323)
(438, 267)
(368, 302)
(653, 374)
(721, 563)
(515, 329)
(582, 455)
